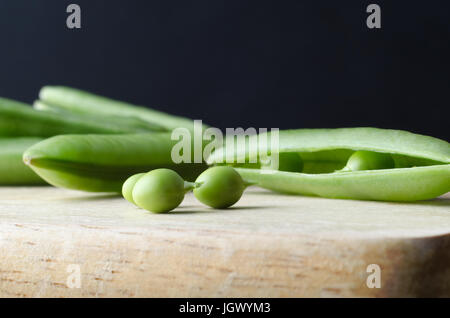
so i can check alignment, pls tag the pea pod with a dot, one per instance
(12, 169)
(421, 164)
(19, 119)
(126, 124)
(88, 103)
(101, 163)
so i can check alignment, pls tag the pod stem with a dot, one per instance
(189, 186)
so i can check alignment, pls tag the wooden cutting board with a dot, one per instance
(269, 245)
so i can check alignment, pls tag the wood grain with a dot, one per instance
(269, 245)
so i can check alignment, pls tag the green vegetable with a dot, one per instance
(12, 169)
(162, 190)
(20, 120)
(87, 103)
(101, 163)
(421, 164)
(124, 123)
(159, 191)
(128, 185)
(288, 161)
(219, 187)
(369, 160)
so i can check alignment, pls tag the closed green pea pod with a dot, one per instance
(87, 103)
(121, 124)
(420, 168)
(101, 163)
(12, 169)
(20, 120)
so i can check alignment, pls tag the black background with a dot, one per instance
(286, 64)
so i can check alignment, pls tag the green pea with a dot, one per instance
(290, 161)
(219, 187)
(128, 185)
(369, 160)
(159, 191)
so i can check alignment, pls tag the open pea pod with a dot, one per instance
(420, 167)
(101, 163)
(12, 169)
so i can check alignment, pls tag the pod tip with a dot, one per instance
(27, 160)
